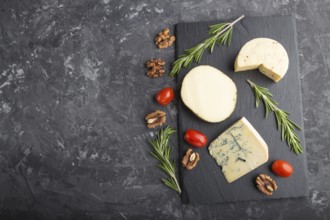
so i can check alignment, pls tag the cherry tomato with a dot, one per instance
(282, 168)
(195, 138)
(165, 96)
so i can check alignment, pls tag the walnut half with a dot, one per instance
(156, 67)
(190, 160)
(155, 119)
(164, 39)
(266, 184)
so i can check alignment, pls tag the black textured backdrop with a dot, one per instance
(73, 94)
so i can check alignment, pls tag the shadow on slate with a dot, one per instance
(206, 182)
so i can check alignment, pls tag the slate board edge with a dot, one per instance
(303, 141)
(183, 199)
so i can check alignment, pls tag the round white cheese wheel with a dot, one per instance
(209, 93)
(265, 54)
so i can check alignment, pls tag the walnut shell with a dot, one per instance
(266, 184)
(190, 160)
(155, 119)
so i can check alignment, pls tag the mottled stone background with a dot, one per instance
(73, 94)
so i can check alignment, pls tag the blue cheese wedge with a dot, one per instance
(265, 54)
(239, 150)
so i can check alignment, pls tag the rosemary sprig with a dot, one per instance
(220, 34)
(162, 152)
(288, 127)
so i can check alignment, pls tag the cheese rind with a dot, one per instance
(209, 93)
(266, 54)
(239, 150)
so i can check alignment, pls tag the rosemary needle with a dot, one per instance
(162, 153)
(288, 127)
(220, 34)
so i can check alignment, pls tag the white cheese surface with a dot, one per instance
(209, 93)
(266, 54)
(239, 150)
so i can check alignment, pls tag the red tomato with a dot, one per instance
(195, 138)
(165, 96)
(282, 168)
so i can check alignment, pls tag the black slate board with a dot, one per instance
(206, 183)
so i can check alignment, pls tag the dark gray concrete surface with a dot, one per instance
(73, 94)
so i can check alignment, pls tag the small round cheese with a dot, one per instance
(209, 93)
(265, 54)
